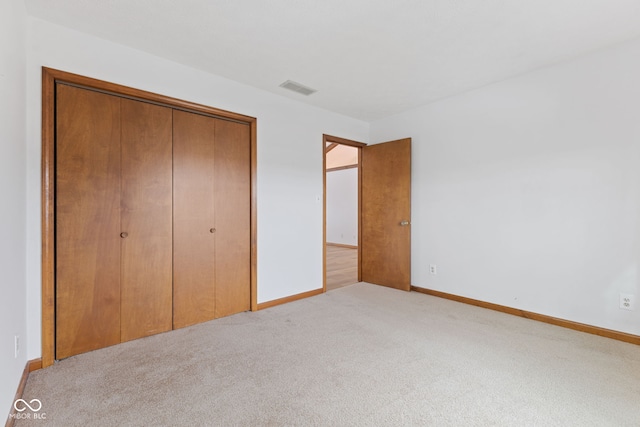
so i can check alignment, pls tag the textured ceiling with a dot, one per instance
(367, 58)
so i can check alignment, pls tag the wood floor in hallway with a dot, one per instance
(342, 266)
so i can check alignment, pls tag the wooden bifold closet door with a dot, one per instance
(146, 218)
(152, 219)
(211, 248)
(113, 220)
(87, 221)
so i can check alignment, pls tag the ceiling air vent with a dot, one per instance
(297, 87)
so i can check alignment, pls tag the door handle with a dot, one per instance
(124, 234)
(404, 223)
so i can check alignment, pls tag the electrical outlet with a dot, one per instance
(627, 301)
(16, 346)
(433, 269)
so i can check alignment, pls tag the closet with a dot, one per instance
(152, 218)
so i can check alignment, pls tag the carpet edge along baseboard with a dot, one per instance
(582, 327)
(291, 298)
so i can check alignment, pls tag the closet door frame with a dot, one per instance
(51, 77)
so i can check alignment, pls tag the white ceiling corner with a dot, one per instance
(368, 59)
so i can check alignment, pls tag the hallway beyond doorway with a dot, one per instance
(342, 266)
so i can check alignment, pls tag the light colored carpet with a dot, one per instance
(362, 355)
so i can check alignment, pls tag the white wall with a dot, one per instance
(342, 206)
(526, 193)
(290, 153)
(13, 319)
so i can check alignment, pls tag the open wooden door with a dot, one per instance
(386, 214)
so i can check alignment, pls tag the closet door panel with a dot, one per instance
(193, 244)
(146, 219)
(232, 190)
(87, 221)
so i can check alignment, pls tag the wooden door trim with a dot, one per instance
(342, 141)
(338, 141)
(141, 95)
(48, 218)
(50, 77)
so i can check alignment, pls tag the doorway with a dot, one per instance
(383, 212)
(342, 160)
